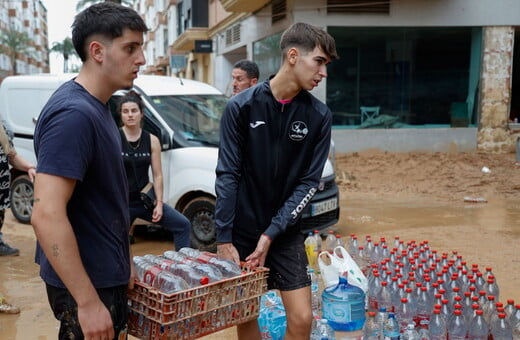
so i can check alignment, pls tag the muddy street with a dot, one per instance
(485, 233)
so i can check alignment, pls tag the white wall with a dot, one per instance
(406, 140)
(417, 13)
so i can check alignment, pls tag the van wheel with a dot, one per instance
(22, 194)
(201, 213)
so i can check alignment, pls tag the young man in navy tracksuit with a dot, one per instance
(275, 139)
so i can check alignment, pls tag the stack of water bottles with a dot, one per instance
(416, 293)
(188, 268)
(339, 306)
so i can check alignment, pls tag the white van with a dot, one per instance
(185, 116)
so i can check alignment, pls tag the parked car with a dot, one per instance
(185, 116)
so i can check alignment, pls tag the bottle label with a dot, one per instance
(372, 302)
(421, 319)
(314, 287)
(150, 274)
(167, 264)
(311, 254)
(343, 312)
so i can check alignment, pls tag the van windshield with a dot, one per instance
(196, 117)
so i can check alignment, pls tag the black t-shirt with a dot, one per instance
(76, 137)
(137, 158)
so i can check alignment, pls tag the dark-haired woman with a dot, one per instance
(142, 150)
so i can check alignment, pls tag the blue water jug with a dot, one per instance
(344, 305)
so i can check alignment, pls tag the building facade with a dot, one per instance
(28, 17)
(446, 71)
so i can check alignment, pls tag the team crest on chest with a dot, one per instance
(298, 131)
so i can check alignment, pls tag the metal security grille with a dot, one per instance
(279, 10)
(358, 6)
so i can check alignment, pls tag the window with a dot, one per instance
(416, 76)
(266, 54)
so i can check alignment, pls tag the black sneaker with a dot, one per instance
(6, 250)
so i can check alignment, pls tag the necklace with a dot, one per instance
(133, 144)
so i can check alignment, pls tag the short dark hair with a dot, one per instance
(107, 19)
(307, 37)
(130, 97)
(249, 66)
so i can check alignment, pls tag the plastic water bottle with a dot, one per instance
(410, 333)
(330, 241)
(375, 256)
(315, 293)
(325, 330)
(489, 273)
(196, 254)
(319, 241)
(424, 332)
(515, 316)
(404, 314)
(467, 309)
(146, 270)
(212, 272)
(353, 245)
(169, 283)
(311, 249)
(315, 330)
(228, 268)
(510, 307)
(489, 308)
(412, 302)
(494, 318)
(190, 274)
(514, 321)
(385, 297)
(424, 308)
(437, 326)
(360, 259)
(344, 305)
(478, 327)
(373, 292)
(516, 331)
(457, 327)
(339, 241)
(501, 330)
(272, 319)
(371, 328)
(391, 328)
(369, 247)
(491, 288)
(381, 316)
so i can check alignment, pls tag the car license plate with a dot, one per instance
(324, 206)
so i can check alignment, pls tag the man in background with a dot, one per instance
(245, 74)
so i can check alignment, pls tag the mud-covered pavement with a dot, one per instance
(487, 234)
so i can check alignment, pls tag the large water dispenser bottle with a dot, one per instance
(344, 305)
